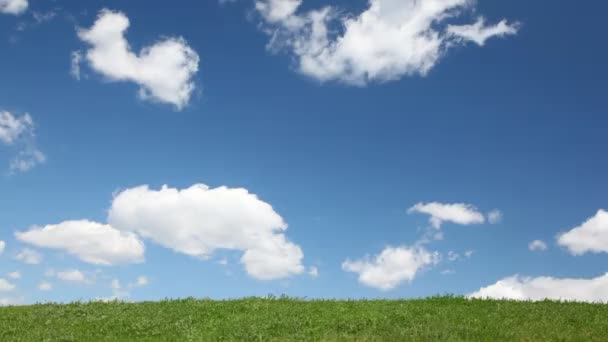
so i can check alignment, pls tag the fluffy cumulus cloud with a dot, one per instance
(92, 242)
(199, 220)
(15, 7)
(589, 237)
(520, 288)
(19, 131)
(537, 245)
(391, 267)
(390, 39)
(459, 213)
(164, 71)
(2, 246)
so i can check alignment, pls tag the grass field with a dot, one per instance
(441, 318)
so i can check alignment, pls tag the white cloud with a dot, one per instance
(92, 242)
(12, 127)
(6, 286)
(275, 11)
(29, 256)
(495, 216)
(537, 245)
(2, 246)
(45, 286)
(459, 213)
(590, 237)
(14, 275)
(164, 71)
(519, 288)
(469, 253)
(115, 285)
(74, 276)
(26, 160)
(391, 267)
(479, 32)
(140, 282)
(198, 220)
(313, 272)
(75, 64)
(387, 41)
(117, 292)
(453, 256)
(15, 7)
(20, 130)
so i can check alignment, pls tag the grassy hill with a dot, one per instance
(441, 318)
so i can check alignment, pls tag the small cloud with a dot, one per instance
(164, 71)
(115, 285)
(537, 245)
(73, 275)
(75, 64)
(453, 256)
(14, 7)
(5, 286)
(140, 282)
(20, 131)
(589, 237)
(14, 275)
(458, 213)
(313, 272)
(392, 266)
(495, 216)
(91, 242)
(29, 256)
(2, 246)
(45, 286)
(448, 272)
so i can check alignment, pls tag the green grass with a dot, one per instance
(441, 318)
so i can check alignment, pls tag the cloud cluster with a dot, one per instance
(195, 221)
(589, 237)
(392, 267)
(520, 288)
(164, 70)
(15, 130)
(14, 7)
(390, 39)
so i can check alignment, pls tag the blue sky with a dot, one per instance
(339, 143)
